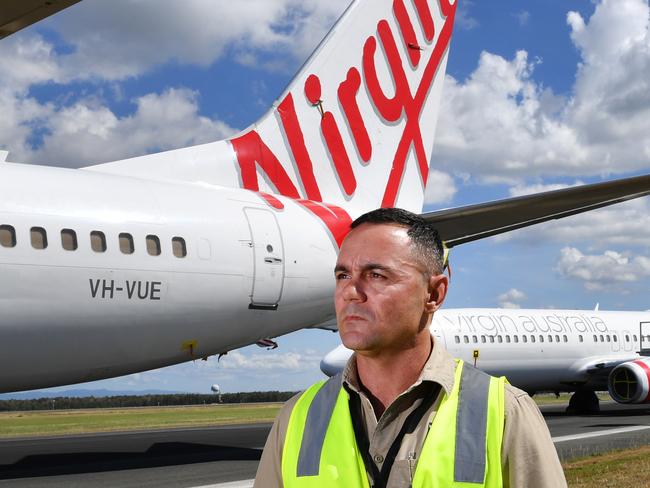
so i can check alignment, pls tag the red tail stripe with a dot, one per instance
(646, 368)
(251, 152)
(408, 33)
(271, 200)
(424, 12)
(348, 97)
(335, 218)
(287, 111)
(389, 108)
(413, 108)
(339, 155)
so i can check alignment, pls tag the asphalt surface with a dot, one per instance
(219, 455)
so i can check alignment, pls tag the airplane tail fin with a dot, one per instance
(354, 129)
(355, 126)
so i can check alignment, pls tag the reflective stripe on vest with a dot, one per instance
(468, 403)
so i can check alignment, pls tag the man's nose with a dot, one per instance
(353, 290)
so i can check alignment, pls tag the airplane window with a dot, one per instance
(457, 339)
(474, 339)
(153, 245)
(499, 339)
(627, 338)
(126, 243)
(7, 236)
(602, 339)
(178, 246)
(615, 338)
(524, 338)
(557, 338)
(541, 338)
(466, 339)
(595, 338)
(565, 338)
(98, 241)
(507, 338)
(608, 338)
(532, 338)
(69, 239)
(550, 338)
(39, 237)
(483, 339)
(515, 338)
(634, 337)
(491, 338)
(580, 338)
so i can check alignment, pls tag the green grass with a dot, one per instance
(61, 422)
(551, 399)
(620, 469)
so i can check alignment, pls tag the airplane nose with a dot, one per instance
(335, 360)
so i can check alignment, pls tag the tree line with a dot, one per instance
(121, 401)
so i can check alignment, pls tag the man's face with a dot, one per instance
(382, 298)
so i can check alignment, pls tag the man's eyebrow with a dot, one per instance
(365, 267)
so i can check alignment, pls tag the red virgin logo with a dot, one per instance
(254, 156)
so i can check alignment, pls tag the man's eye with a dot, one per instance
(376, 275)
(341, 276)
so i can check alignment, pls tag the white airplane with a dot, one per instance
(547, 350)
(137, 264)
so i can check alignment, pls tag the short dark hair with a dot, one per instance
(425, 240)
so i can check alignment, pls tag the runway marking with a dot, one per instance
(232, 484)
(598, 433)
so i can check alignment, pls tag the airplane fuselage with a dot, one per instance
(543, 350)
(104, 275)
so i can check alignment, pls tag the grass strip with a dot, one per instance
(628, 468)
(61, 422)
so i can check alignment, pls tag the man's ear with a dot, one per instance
(438, 285)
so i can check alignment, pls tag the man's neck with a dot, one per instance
(386, 376)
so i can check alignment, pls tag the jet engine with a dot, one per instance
(630, 382)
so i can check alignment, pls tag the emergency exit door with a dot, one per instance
(268, 259)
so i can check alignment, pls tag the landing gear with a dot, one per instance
(583, 402)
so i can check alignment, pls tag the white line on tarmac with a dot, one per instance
(622, 430)
(599, 433)
(232, 484)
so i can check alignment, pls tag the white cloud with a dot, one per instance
(599, 271)
(160, 122)
(127, 38)
(523, 17)
(622, 225)
(464, 18)
(441, 188)
(501, 125)
(288, 361)
(511, 298)
(123, 38)
(520, 190)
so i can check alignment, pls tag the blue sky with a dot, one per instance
(539, 95)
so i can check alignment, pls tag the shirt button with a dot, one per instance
(379, 459)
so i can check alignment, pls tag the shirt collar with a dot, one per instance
(439, 368)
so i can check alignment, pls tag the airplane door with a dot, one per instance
(644, 338)
(268, 257)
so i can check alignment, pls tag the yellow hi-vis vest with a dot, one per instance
(461, 449)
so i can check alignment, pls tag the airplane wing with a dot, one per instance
(465, 224)
(18, 14)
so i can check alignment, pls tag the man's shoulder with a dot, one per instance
(518, 402)
(287, 408)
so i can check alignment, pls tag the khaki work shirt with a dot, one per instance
(528, 455)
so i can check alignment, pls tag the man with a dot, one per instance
(404, 413)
